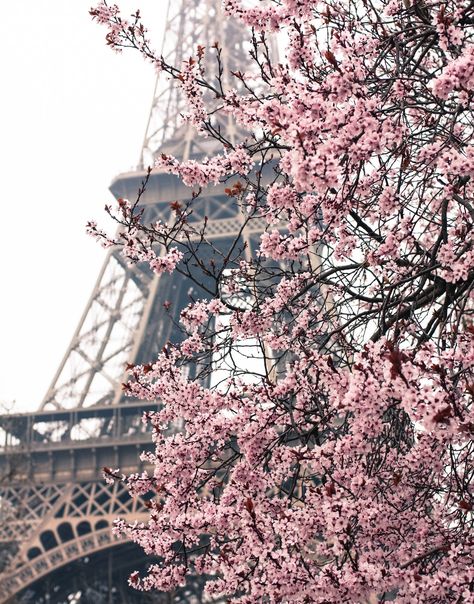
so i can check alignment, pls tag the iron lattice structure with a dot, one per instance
(55, 510)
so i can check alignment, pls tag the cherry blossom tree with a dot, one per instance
(342, 471)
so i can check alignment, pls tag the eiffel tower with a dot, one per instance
(56, 512)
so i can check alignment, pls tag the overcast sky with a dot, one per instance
(72, 116)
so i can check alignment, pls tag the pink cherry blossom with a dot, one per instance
(313, 437)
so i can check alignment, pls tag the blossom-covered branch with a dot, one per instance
(342, 471)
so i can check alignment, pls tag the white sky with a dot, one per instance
(72, 116)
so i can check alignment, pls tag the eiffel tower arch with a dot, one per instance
(56, 511)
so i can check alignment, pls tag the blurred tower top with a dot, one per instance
(189, 24)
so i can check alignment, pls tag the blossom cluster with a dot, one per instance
(208, 170)
(335, 464)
